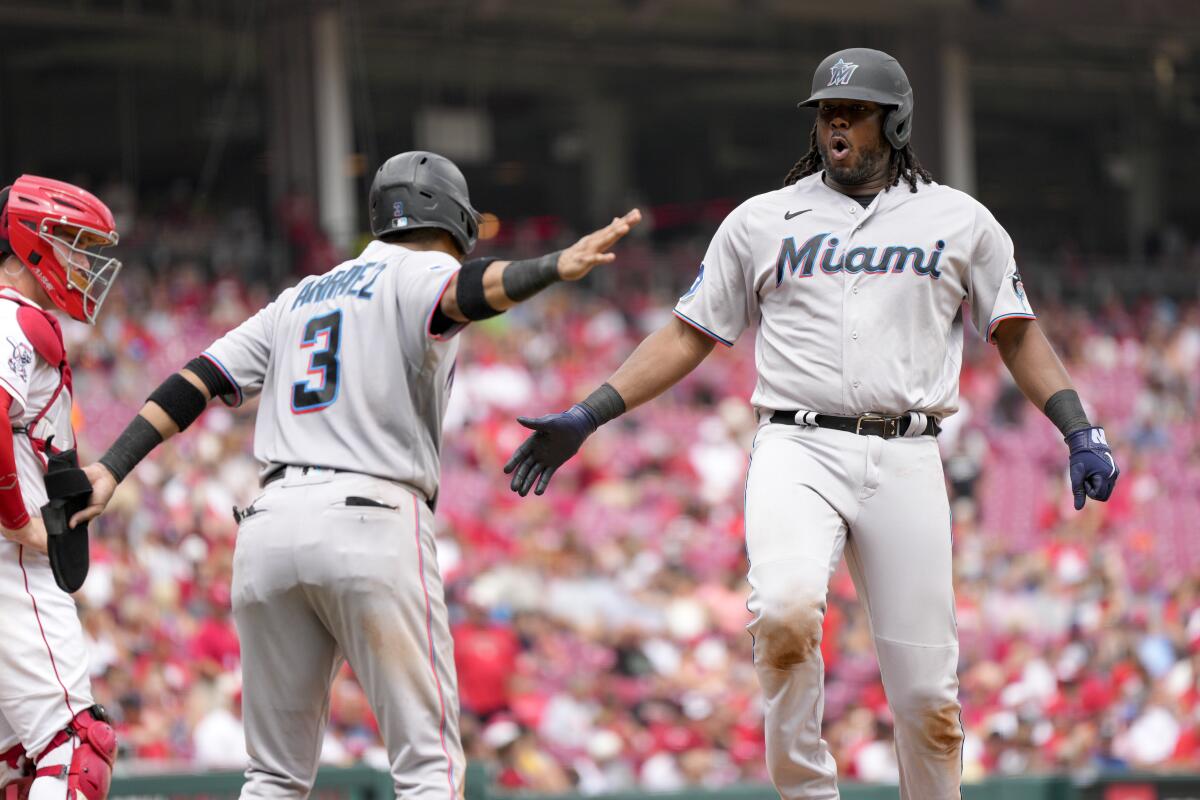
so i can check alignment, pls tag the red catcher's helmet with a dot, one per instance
(57, 231)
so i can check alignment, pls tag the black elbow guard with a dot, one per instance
(470, 295)
(182, 401)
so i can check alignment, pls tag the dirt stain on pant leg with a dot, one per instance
(941, 728)
(791, 642)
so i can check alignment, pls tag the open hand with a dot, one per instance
(579, 259)
(556, 438)
(103, 486)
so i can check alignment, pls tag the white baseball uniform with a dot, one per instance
(43, 661)
(857, 311)
(336, 560)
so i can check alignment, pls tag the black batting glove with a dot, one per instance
(556, 437)
(1093, 470)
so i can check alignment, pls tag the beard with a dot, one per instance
(867, 165)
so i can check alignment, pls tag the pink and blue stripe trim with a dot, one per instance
(703, 329)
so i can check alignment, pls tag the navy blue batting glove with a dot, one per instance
(556, 437)
(1093, 470)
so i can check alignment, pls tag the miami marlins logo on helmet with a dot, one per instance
(841, 72)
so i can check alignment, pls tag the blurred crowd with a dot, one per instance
(599, 630)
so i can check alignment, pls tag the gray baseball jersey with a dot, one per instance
(825, 279)
(350, 373)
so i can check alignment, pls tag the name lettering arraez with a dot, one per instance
(355, 280)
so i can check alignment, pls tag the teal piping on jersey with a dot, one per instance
(1018, 315)
(237, 397)
(702, 329)
(453, 330)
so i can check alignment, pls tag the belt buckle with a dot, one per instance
(888, 426)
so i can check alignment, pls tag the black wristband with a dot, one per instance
(523, 279)
(182, 401)
(1065, 410)
(134, 444)
(217, 383)
(469, 292)
(604, 404)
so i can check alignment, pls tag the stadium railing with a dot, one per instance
(364, 783)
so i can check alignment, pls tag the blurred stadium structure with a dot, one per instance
(235, 139)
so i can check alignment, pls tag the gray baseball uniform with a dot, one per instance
(856, 310)
(336, 560)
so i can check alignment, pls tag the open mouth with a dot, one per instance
(839, 148)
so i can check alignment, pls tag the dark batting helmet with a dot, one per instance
(423, 190)
(861, 73)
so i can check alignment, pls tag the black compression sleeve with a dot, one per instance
(470, 295)
(523, 279)
(1066, 412)
(214, 380)
(134, 444)
(605, 404)
(182, 401)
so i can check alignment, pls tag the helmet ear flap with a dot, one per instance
(897, 127)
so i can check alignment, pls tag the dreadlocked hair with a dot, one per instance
(903, 163)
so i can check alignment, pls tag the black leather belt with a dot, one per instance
(279, 471)
(866, 425)
(304, 468)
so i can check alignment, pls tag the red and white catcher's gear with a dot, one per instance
(90, 772)
(57, 231)
(16, 774)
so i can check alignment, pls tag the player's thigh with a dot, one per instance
(795, 531)
(384, 601)
(288, 655)
(797, 495)
(8, 734)
(900, 550)
(44, 677)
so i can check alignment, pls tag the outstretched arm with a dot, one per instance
(658, 363)
(483, 289)
(1043, 379)
(177, 402)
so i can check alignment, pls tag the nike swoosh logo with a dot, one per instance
(1114, 464)
(792, 214)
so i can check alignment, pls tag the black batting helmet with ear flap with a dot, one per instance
(861, 73)
(419, 189)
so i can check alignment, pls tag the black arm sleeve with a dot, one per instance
(182, 401)
(134, 444)
(523, 279)
(605, 404)
(214, 380)
(1066, 411)
(470, 295)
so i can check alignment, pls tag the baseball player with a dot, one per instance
(55, 742)
(855, 272)
(336, 560)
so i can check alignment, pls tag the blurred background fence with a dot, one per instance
(366, 784)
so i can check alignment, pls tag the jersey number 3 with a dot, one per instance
(322, 337)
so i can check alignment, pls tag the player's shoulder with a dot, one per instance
(762, 206)
(934, 192)
(777, 198)
(23, 325)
